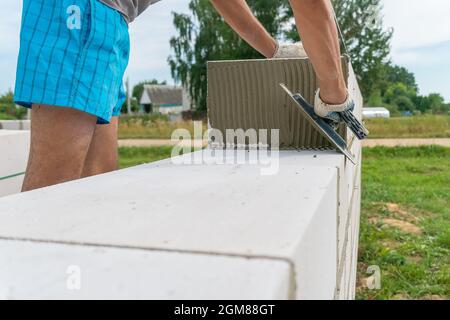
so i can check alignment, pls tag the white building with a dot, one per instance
(165, 99)
(370, 113)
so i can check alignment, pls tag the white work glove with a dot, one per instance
(290, 50)
(322, 109)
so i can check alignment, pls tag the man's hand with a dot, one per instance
(290, 50)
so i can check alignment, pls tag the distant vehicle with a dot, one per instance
(407, 114)
(370, 113)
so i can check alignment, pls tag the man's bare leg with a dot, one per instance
(60, 139)
(102, 156)
(316, 25)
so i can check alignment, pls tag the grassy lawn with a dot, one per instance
(405, 219)
(133, 156)
(430, 126)
(405, 222)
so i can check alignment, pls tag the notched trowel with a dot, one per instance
(320, 124)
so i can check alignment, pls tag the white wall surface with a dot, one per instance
(200, 211)
(13, 160)
(57, 271)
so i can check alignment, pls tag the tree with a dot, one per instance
(397, 74)
(434, 103)
(404, 103)
(367, 40)
(203, 36)
(437, 102)
(7, 103)
(7, 97)
(8, 109)
(396, 90)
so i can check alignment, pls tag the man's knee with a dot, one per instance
(103, 155)
(60, 139)
(95, 167)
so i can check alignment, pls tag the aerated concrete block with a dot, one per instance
(245, 94)
(34, 270)
(208, 209)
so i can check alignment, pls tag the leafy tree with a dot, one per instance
(397, 74)
(437, 102)
(8, 109)
(8, 97)
(434, 103)
(402, 96)
(403, 103)
(398, 90)
(367, 40)
(422, 103)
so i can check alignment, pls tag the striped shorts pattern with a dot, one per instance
(73, 53)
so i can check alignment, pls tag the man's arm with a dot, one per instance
(240, 18)
(316, 25)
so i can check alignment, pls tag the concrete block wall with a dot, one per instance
(13, 160)
(171, 231)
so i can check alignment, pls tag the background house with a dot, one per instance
(164, 99)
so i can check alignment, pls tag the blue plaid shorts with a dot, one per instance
(73, 53)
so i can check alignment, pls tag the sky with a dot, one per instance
(421, 41)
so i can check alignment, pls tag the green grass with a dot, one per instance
(429, 126)
(133, 156)
(410, 186)
(4, 116)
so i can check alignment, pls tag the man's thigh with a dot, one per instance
(60, 139)
(102, 156)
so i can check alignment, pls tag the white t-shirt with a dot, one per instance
(129, 8)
